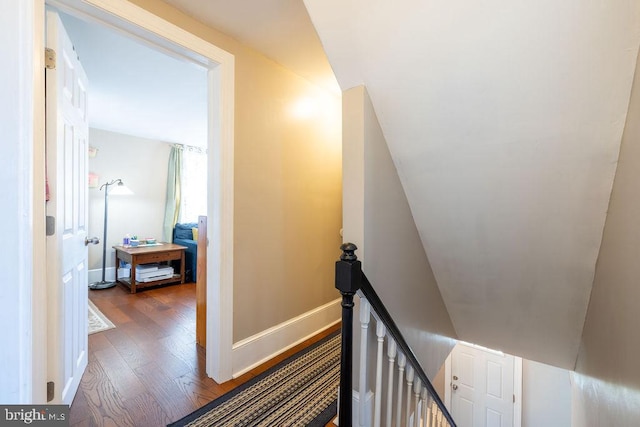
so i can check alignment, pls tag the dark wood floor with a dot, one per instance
(148, 371)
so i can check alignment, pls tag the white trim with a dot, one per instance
(220, 225)
(18, 219)
(368, 408)
(96, 274)
(138, 22)
(517, 391)
(257, 349)
(40, 294)
(29, 207)
(355, 403)
(481, 348)
(447, 382)
(517, 383)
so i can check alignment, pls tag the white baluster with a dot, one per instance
(365, 309)
(417, 386)
(391, 354)
(410, 373)
(434, 414)
(439, 418)
(429, 411)
(380, 332)
(402, 361)
(425, 406)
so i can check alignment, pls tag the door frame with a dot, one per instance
(517, 382)
(23, 220)
(173, 40)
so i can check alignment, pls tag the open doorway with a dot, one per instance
(145, 107)
(137, 23)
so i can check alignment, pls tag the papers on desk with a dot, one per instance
(153, 272)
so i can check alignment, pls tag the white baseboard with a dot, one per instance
(96, 275)
(257, 349)
(368, 408)
(355, 408)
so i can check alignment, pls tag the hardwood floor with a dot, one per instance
(148, 371)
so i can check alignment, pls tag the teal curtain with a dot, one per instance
(172, 207)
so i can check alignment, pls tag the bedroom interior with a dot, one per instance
(128, 139)
(139, 154)
(126, 142)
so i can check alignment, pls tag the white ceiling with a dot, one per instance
(138, 91)
(280, 29)
(504, 120)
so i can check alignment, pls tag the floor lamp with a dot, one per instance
(119, 189)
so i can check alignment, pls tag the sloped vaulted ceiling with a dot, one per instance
(504, 120)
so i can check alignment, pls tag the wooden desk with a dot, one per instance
(146, 255)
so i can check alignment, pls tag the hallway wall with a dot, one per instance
(287, 185)
(379, 221)
(607, 383)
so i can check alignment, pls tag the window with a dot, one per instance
(193, 201)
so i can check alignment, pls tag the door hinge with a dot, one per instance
(50, 390)
(514, 398)
(51, 225)
(49, 59)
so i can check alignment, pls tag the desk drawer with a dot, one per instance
(158, 257)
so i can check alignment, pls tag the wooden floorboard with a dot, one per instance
(145, 410)
(148, 371)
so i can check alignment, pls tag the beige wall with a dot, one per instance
(393, 257)
(546, 395)
(287, 186)
(610, 347)
(598, 403)
(142, 165)
(439, 381)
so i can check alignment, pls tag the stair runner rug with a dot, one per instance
(299, 391)
(98, 322)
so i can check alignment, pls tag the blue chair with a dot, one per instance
(183, 235)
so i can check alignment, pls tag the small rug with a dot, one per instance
(98, 322)
(296, 392)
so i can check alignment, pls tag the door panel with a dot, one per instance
(464, 412)
(465, 368)
(494, 380)
(66, 141)
(494, 418)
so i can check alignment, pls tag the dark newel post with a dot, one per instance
(348, 280)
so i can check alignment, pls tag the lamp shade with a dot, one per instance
(120, 190)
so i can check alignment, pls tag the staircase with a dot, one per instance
(406, 396)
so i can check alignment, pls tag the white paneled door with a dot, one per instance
(66, 143)
(482, 392)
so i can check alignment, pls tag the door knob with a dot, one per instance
(455, 387)
(92, 241)
(455, 377)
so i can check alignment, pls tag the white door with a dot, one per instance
(66, 143)
(482, 392)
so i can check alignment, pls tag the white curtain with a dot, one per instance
(194, 184)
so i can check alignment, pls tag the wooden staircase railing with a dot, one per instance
(411, 401)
